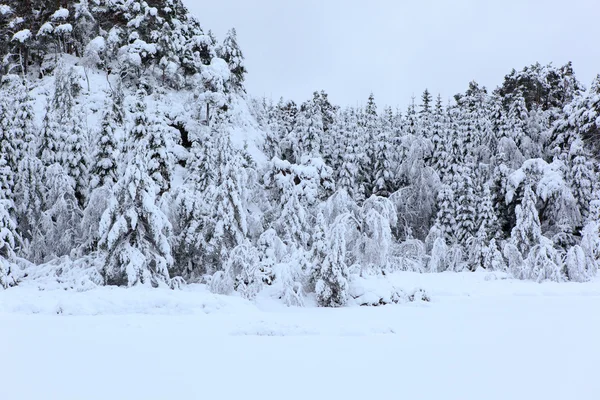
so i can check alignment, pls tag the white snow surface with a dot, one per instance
(482, 336)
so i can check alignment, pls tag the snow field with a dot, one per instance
(477, 339)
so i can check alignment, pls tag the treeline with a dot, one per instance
(154, 194)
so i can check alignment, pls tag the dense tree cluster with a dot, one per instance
(503, 180)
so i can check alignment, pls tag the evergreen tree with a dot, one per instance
(232, 54)
(228, 227)
(160, 159)
(527, 231)
(332, 286)
(133, 230)
(105, 169)
(49, 148)
(74, 155)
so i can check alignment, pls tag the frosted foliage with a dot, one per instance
(242, 273)
(291, 277)
(515, 261)
(544, 262)
(92, 215)
(377, 215)
(437, 261)
(590, 243)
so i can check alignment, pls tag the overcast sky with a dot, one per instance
(396, 49)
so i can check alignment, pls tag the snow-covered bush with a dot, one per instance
(242, 273)
(576, 265)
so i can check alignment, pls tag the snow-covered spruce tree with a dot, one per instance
(383, 169)
(104, 169)
(228, 225)
(351, 158)
(308, 131)
(232, 54)
(191, 211)
(438, 137)
(370, 128)
(160, 158)
(8, 241)
(57, 232)
(50, 142)
(446, 214)
(527, 231)
(75, 156)
(332, 285)
(477, 249)
(134, 231)
(425, 113)
(29, 197)
(465, 203)
(493, 259)
(582, 176)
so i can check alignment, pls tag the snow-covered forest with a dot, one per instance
(131, 154)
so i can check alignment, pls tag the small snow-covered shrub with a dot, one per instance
(64, 273)
(437, 261)
(378, 291)
(577, 265)
(7, 276)
(291, 279)
(242, 273)
(410, 256)
(544, 263)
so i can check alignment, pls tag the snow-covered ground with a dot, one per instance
(478, 338)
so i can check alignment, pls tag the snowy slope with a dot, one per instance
(477, 339)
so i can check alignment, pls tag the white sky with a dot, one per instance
(398, 48)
